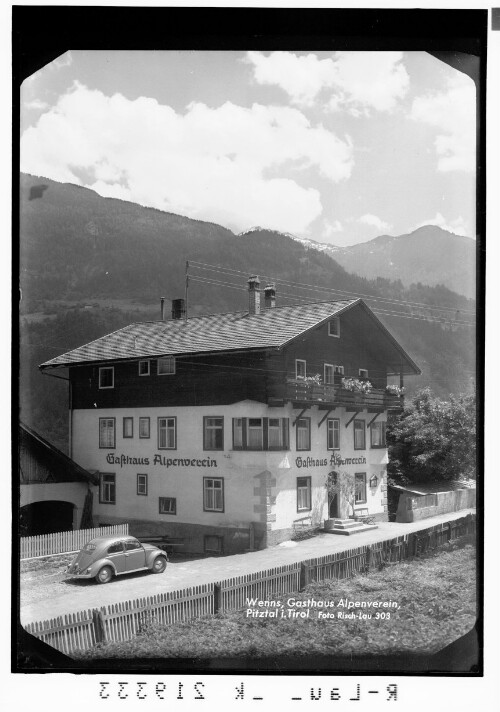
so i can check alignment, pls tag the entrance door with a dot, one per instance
(333, 496)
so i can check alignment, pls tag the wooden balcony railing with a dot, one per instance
(330, 394)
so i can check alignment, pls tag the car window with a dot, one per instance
(132, 544)
(115, 548)
(90, 548)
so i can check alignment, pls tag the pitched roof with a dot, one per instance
(205, 334)
(233, 331)
(56, 466)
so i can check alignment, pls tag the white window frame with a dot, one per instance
(144, 419)
(213, 493)
(107, 490)
(297, 361)
(167, 505)
(334, 320)
(142, 485)
(331, 429)
(331, 368)
(359, 430)
(211, 428)
(307, 430)
(357, 498)
(130, 420)
(101, 371)
(338, 370)
(275, 429)
(164, 360)
(166, 428)
(382, 426)
(111, 425)
(304, 494)
(149, 367)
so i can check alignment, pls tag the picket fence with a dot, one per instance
(122, 621)
(64, 542)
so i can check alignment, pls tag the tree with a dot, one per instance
(433, 440)
(343, 485)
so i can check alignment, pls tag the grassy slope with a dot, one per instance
(436, 597)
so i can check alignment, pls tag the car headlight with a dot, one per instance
(88, 570)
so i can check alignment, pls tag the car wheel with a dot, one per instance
(105, 575)
(159, 565)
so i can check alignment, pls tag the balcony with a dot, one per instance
(330, 396)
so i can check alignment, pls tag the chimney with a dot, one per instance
(270, 296)
(162, 308)
(178, 309)
(254, 295)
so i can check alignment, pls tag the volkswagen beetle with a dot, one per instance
(108, 556)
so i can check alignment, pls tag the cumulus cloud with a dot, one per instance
(36, 104)
(230, 164)
(374, 221)
(458, 226)
(453, 113)
(356, 82)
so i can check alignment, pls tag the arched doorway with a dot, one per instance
(333, 496)
(45, 518)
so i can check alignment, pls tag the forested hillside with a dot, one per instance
(91, 264)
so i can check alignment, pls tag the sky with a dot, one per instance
(337, 147)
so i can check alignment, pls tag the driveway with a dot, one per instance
(67, 596)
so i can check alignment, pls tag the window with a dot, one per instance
(167, 434)
(213, 433)
(116, 548)
(107, 488)
(107, 433)
(144, 428)
(303, 494)
(333, 434)
(107, 377)
(213, 494)
(334, 327)
(166, 366)
(261, 434)
(300, 368)
(303, 426)
(360, 485)
(363, 373)
(377, 434)
(339, 370)
(128, 427)
(254, 434)
(142, 485)
(278, 434)
(359, 435)
(213, 544)
(132, 545)
(329, 373)
(168, 505)
(144, 369)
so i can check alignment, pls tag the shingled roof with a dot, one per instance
(233, 331)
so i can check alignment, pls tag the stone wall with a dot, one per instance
(413, 508)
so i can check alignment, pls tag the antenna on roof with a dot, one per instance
(186, 289)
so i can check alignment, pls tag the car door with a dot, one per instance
(134, 554)
(116, 554)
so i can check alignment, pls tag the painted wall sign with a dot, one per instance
(161, 460)
(335, 461)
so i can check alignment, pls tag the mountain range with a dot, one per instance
(91, 264)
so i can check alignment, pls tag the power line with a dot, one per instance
(318, 288)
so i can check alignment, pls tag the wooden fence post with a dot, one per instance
(217, 597)
(303, 579)
(368, 558)
(99, 628)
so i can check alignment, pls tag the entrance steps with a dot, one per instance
(346, 527)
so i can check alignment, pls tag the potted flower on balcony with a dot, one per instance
(394, 390)
(356, 386)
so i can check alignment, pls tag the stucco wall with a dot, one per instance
(259, 487)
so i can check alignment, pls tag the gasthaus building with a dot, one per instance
(223, 430)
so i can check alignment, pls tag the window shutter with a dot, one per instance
(265, 433)
(286, 433)
(244, 432)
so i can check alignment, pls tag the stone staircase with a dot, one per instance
(346, 527)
